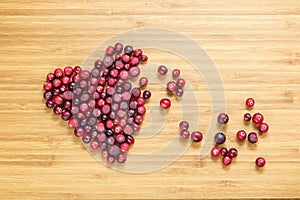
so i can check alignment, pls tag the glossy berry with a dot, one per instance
(146, 94)
(220, 138)
(180, 82)
(176, 73)
(250, 102)
(241, 135)
(215, 152)
(263, 127)
(196, 136)
(232, 152)
(184, 134)
(143, 81)
(48, 86)
(162, 70)
(144, 58)
(260, 162)
(223, 118)
(223, 151)
(184, 125)
(226, 160)
(171, 86)
(257, 118)
(179, 92)
(165, 103)
(252, 137)
(247, 117)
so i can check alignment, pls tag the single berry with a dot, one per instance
(171, 86)
(180, 82)
(223, 151)
(257, 118)
(176, 73)
(165, 103)
(226, 160)
(223, 118)
(250, 102)
(241, 135)
(215, 152)
(260, 162)
(252, 137)
(162, 70)
(184, 125)
(184, 134)
(146, 94)
(220, 138)
(263, 127)
(247, 117)
(196, 136)
(143, 81)
(232, 152)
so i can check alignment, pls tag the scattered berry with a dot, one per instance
(260, 162)
(257, 118)
(196, 136)
(241, 135)
(250, 102)
(263, 127)
(223, 118)
(220, 138)
(252, 137)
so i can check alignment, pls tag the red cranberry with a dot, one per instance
(250, 102)
(124, 75)
(128, 130)
(138, 119)
(128, 49)
(134, 71)
(108, 61)
(77, 69)
(136, 92)
(68, 71)
(162, 70)
(263, 127)
(111, 160)
(48, 95)
(146, 94)
(66, 115)
(226, 160)
(58, 100)
(134, 61)
(179, 92)
(125, 147)
(223, 151)
(47, 86)
(196, 136)
(215, 152)
(50, 77)
(241, 135)
(260, 162)
(184, 125)
(57, 110)
(118, 47)
(144, 58)
(176, 73)
(110, 50)
(114, 150)
(130, 139)
(140, 101)
(94, 144)
(165, 103)
(120, 138)
(141, 110)
(143, 81)
(252, 137)
(68, 95)
(223, 118)
(171, 86)
(58, 73)
(180, 82)
(137, 52)
(121, 158)
(184, 134)
(257, 118)
(50, 103)
(232, 152)
(220, 138)
(247, 117)
(73, 123)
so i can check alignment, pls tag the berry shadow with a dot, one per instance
(251, 146)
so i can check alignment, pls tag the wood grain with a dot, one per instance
(254, 44)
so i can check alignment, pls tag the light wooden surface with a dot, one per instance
(254, 44)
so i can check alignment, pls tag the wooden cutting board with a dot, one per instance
(255, 45)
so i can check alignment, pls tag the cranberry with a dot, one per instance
(223, 151)
(247, 117)
(250, 102)
(144, 58)
(134, 71)
(162, 70)
(257, 118)
(136, 92)
(73, 123)
(50, 103)
(241, 135)
(128, 49)
(50, 77)
(66, 115)
(77, 69)
(137, 52)
(98, 64)
(138, 119)
(130, 139)
(263, 127)
(56, 83)
(232, 152)
(176, 73)
(184, 125)
(141, 110)
(121, 158)
(196, 136)
(215, 152)
(252, 137)
(171, 86)
(58, 100)
(124, 75)
(110, 50)
(57, 110)
(125, 58)
(220, 138)
(180, 82)
(146, 94)
(179, 92)
(58, 73)
(47, 86)
(111, 160)
(223, 118)
(114, 150)
(260, 162)
(128, 130)
(48, 95)
(140, 101)
(226, 160)
(143, 81)
(118, 47)
(125, 147)
(68, 71)
(108, 61)
(120, 138)
(134, 61)
(184, 134)
(94, 144)
(165, 103)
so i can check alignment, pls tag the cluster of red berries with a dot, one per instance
(171, 86)
(196, 136)
(101, 104)
(241, 135)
